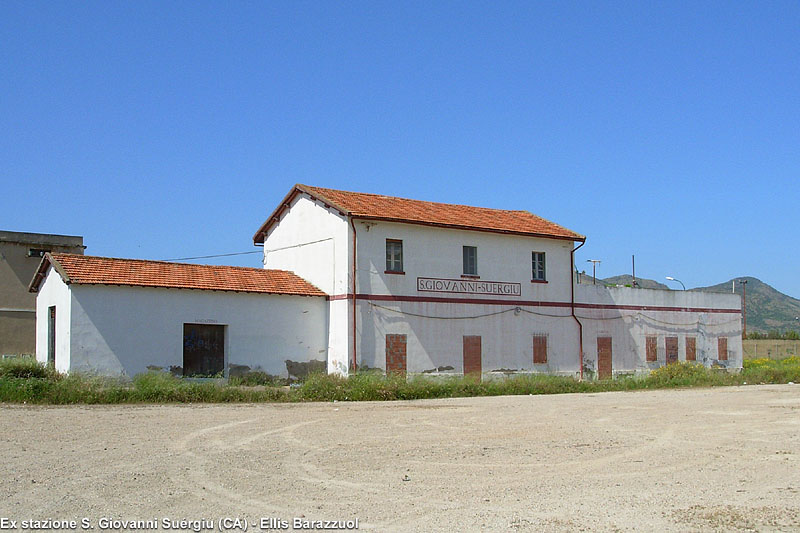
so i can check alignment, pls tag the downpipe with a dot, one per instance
(572, 304)
(354, 364)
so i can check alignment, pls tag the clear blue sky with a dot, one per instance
(669, 130)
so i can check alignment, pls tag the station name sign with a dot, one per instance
(467, 286)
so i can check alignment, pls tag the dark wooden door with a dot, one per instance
(722, 346)
(396, 354)
(472, 355)
(691, 349)
(203, 349)
(672, 349)
(604, 368)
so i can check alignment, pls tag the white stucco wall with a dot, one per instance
(313, 241)
(437, 253)
(435, 339)
(435, 329)
(54, 292)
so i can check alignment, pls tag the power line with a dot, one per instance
(210, 256)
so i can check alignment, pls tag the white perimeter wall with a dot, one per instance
(117, 330)
(628, 328)
(53, 291)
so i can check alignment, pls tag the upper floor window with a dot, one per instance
(538, 272)
(470, 260)
(394, 255)
(37, 252)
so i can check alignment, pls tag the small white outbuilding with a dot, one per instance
(124, 316)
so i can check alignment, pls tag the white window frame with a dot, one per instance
(470, 260)
(538, 266)
(394, 255)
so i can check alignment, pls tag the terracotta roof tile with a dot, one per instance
(92, 270)
(390, 208)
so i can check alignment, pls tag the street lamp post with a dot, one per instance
(594, 269)
(679, 281)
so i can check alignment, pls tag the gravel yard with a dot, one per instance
(700, 459)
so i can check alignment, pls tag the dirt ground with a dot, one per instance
(722, 459)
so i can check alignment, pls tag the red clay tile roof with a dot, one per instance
(92, 270)
(390, 208)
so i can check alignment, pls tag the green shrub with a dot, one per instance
(255, 378)
(25, 381)
(26, 367)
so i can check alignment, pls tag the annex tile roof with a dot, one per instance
(394, 209)
(93, 270)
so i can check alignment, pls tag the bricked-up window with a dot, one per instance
(396, 361)
(538, 271)
(539, 348)
(470, 260)
(394, 255)
(651, 344)
(722, 346)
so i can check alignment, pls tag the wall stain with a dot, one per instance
(302, 370)
(237, 371)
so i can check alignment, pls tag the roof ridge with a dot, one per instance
(162, 262)
(378, 195)
(374, 206)
(98, 270)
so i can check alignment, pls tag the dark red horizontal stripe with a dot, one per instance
(524, 303)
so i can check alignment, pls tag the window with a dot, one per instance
(470, 260)
(652, 348)
(538, 271)
(37, 252)
(539, 349)
(396, 360)
(671, 349)
(394, 255)
(691, 348)
(722, 347)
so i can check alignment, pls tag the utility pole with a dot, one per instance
(744, 307)
(594, 269)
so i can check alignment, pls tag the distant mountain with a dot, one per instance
(623, 280)
(642, 283)
(768, 309)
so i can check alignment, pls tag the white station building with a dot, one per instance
(371, 281)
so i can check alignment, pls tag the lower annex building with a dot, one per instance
(372, 281)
